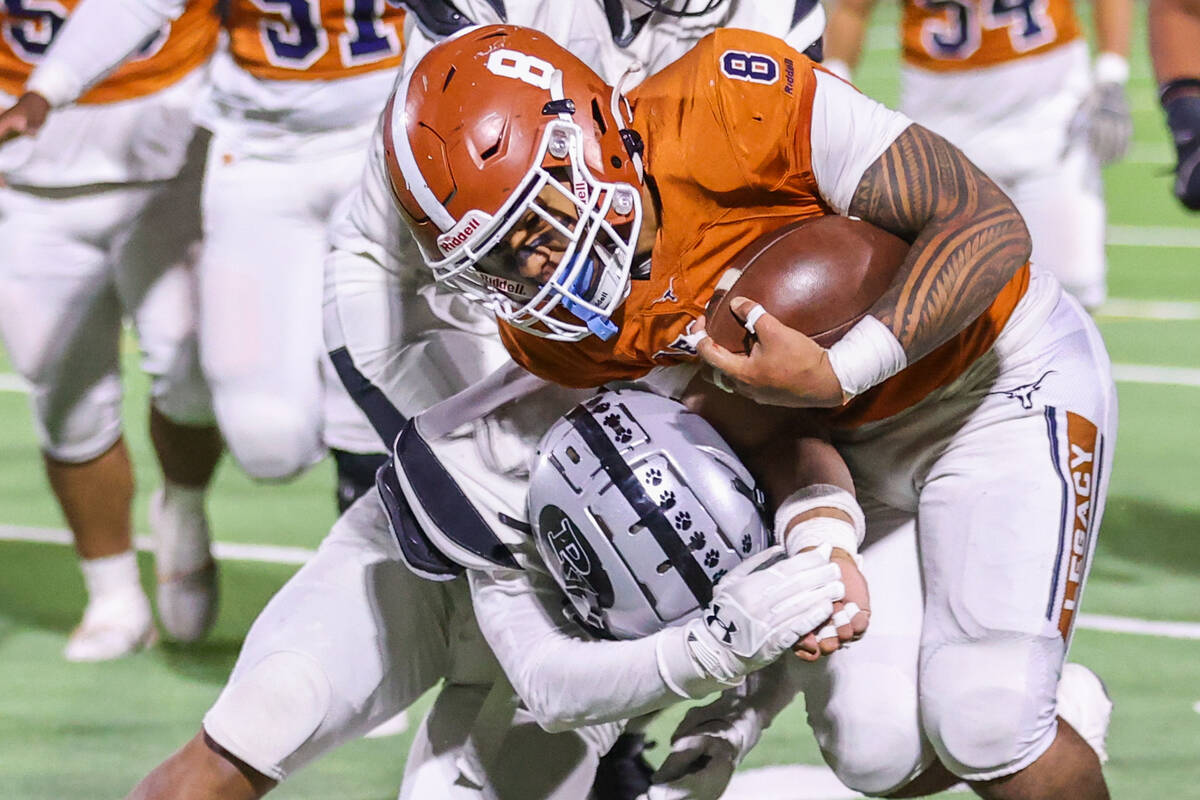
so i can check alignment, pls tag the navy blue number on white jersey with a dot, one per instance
(31, 25)
(300, 39)
(752, 67)
(957, 32)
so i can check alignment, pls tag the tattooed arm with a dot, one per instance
(967, 238)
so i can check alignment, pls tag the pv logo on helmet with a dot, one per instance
(582, 573)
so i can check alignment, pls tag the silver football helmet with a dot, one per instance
(638, 509)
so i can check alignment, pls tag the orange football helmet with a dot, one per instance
(510, 159)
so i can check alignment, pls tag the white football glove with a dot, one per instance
(760, 609)
(699, 768)
(1103, 119)
(706, 747)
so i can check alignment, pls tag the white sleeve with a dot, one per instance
(849, 132)
(97, 37)
(566, 678)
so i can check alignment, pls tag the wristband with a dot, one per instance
(55, 83)
(820, 530)
(867, 355)
(1111, 68)
(678, 669)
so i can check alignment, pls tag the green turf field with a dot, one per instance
(90, 731)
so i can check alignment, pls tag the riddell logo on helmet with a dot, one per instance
(461, 233)
(509, 287)
(457, 240)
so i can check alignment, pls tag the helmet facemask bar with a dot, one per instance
(682, 8)
(592, 275)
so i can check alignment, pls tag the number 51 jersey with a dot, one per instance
(300, 67)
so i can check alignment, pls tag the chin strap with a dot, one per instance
(598, 324)
(623, 114)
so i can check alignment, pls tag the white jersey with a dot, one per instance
(278, 78)
(583, 28)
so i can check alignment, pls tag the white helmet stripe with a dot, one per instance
(407, 160)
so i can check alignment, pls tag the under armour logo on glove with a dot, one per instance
(728, 629)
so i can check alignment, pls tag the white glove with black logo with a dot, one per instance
(760, 609)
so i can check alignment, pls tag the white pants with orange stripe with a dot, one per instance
(1013, 120)
(983, 503)
(278, 402)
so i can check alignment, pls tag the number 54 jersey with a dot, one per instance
(1001, 79)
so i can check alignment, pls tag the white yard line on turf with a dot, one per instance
(10, 382)
(1157, 310)
(1152, 236)
(793, 782)
(275, 554)
(232, 551)
(1163, 376)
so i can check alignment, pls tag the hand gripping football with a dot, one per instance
(819, 276)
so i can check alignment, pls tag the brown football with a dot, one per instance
(819, 276)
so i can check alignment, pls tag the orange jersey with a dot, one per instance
(731, 159)
(307, 40)
(948, 35)
(163, 60)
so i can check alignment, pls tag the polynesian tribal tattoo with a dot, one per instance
(967, 238)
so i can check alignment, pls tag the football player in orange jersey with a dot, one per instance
(973, 404)
(293, 102)
(98, 218)
(1009, 83)
(355, 615)
(1174, 33)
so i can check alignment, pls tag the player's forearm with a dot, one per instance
(568, 680)
(1174, 34)
(845, 33)
(967, 238)
(97, 37)
(1114, 23)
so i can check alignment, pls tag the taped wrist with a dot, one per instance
(682, 672)
(867, 355)
(820, 530)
